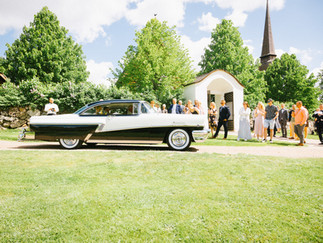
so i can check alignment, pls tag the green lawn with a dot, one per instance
(81, 196)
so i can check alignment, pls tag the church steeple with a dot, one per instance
(268, 50)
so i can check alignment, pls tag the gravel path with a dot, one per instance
(311, 150)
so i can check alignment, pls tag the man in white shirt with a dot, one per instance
(51, 108)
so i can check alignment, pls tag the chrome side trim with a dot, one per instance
(125, 141)
(200, 135)
(88, 137)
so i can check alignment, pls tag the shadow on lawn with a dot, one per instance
(253, 142)
(104, 147)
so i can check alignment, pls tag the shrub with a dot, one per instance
(69, 96)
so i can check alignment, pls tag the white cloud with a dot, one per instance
(85, 19)
(195, 48)
(239, 8)
(99, 72)
(207, 22)
(238, 18)
(315, 71)
(171, 11)
(107, 41)
(303, 55)
(279, 52)
(247, 43)
(249, 5)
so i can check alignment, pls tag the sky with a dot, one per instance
(105, 28)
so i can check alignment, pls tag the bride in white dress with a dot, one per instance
(244, 122)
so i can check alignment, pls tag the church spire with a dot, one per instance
(268, 49)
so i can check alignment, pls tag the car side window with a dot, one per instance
(94, 111)
(124, 109)
(119, 109)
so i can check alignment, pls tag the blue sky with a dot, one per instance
(105, 28)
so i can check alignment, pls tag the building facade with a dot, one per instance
(216, 86)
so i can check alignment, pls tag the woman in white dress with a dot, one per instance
(244, 122)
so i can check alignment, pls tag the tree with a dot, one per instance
(226, 52)
(288, 81)
(320, 80)
(157, 64)
(45, 51)
(2, 65)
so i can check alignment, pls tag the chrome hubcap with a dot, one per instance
(179, 139)
(70, 142)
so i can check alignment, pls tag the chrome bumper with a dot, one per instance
(200, 135)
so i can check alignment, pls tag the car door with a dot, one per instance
(123, 124)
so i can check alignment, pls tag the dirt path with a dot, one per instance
(311, 150)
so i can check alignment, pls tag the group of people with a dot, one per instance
(179, 108)
(266, 121)
(269, 118)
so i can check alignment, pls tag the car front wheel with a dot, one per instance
(178, 139)
(70, 143)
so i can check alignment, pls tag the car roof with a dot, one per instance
(113, 101)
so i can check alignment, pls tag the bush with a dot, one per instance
(69, 96)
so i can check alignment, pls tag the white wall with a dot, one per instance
(218, 82)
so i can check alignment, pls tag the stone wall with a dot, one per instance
(16, 117)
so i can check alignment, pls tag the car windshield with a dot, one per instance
(146, 108)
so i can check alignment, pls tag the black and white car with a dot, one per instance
(120, 122)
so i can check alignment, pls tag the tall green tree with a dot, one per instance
(157, 64)
(227, 52)
(2, 65)
(45, 51)
(289, 81)
(320, 80)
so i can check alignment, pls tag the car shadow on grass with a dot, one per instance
(105, 147)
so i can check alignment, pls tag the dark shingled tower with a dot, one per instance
(268, 50)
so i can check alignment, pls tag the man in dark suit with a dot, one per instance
(175, 108)
(224, 114)
(318, 117)
(283, 118)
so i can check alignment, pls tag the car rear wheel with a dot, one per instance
(178, 139)
(70, 143)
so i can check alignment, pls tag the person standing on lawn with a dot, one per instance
(244, 122)
(180, 103)
(283, 118)
(175, 108)
(292, 121)
(271, 113)
(224, 114)
(51, 108)
(318, 116)
(300, 119)
(212, 117)
(259, 120)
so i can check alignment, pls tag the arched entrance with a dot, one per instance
(215, 86)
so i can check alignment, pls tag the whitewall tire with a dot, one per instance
(178, 139)
(70, 143)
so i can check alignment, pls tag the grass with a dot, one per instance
(12, 134)
(70, 196)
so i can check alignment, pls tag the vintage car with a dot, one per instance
(120, 122)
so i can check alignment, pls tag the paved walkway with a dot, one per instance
(311, 150)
